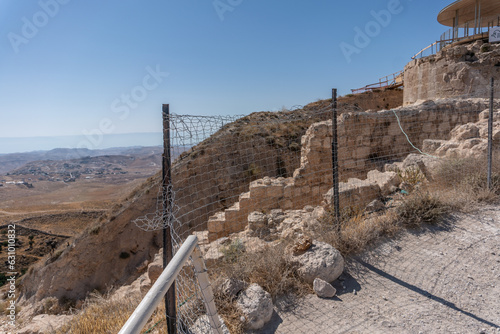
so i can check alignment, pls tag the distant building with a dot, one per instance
(462, 62)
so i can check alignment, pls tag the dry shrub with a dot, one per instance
(232, 316)
(420, 208)
(462, 182)
(101, 314)
(356, 232)
(269, 267)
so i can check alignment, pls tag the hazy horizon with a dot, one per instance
(10, 145)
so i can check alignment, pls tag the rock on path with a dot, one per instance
(443, 280)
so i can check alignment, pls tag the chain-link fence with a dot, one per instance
(250, 187)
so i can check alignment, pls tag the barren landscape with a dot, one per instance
(52, 201)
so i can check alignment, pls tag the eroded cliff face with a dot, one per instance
(463, 71)
(110, 253)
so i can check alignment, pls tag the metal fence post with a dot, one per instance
(335, 161)
(490, 133)
(167, 203)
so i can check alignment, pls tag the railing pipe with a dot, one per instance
(155, 295)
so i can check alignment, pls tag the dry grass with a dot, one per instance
(269, 267)
(420, 208)
(356, 232)
(101, 314)
(462, 183)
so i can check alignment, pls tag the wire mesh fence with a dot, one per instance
(253, 188)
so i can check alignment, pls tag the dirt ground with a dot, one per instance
(442, 280)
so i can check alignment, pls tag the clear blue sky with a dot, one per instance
(70, 67)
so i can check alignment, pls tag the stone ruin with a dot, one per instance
(456, 72)
(367, 142)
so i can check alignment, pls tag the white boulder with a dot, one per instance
(256, 305)
(323, 289)
(320, 261)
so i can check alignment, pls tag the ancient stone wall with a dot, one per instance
(462, 71)
(367, 141)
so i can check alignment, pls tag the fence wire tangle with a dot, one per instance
(248, 185)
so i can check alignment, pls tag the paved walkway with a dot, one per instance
(443, 280)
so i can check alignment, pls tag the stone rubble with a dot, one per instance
(323, 289)
(320, 261)
(364, 138)
(467, 140)
(256, 305)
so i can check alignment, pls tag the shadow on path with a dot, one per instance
(423, 292)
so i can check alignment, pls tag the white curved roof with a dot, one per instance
(467, 11)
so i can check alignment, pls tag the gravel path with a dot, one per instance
(443, 280)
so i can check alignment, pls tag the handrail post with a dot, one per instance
(206, 291)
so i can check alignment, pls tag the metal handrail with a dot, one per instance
(388, 81)
(467, 30)
(143, 312)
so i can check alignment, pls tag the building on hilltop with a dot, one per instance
(462, 62)
(469, 17)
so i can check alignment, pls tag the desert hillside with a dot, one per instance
(273, 139)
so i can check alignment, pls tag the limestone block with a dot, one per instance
(465, 131)
(428, 127)
(470, 143)
(444, 127)
(245, 203)
(386, 181)
(323, 289)
(361, 163)
(443, 149)
(287, 205)
(257, 220)
(257, 189)
(216, 222)
(355, 192)
(362, 152)
(431, 145)
(274, 191)
(453, 153)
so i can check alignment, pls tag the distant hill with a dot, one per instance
(12, 161)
